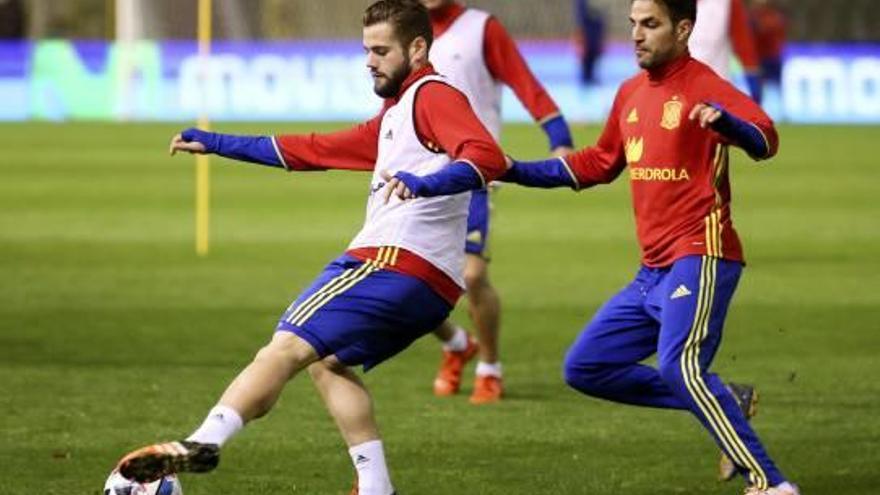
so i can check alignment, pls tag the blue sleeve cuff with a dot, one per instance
(544, 174)
(745, 134)
(558, 132)
(253, 149)
(455, 178)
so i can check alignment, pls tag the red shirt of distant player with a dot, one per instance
(678, 170)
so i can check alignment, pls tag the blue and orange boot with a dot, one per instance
(152, 462)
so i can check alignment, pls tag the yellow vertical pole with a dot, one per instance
(203, 164)
(110, 19)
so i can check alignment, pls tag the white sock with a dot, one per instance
(458, 342)
(787, 486)
(489, 369)
(221, 424)
(369, 461)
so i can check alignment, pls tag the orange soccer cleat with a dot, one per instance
(152, 462)
(448, 380)
(487, 389)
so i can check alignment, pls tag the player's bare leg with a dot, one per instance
(255, 390)
(251, 395)
(484, 307)
(351, 407)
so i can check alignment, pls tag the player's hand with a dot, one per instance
(178, 143)
(706, 113)
(560, 151)
(396, 186)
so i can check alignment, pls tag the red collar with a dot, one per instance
(443, 17)
(413, 76)
(669, 69)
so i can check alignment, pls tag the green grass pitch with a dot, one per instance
(114, 334)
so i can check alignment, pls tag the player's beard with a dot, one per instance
(659, 52)
(393, 81)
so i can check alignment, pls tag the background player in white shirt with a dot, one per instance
(723, 29)
(474, 50)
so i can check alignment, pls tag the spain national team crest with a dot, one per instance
(671, 114)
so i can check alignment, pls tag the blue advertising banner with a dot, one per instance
(327, 80)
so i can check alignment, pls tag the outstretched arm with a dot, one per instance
(590, 166)
(506, 64)
(254, 149)
(545, 174)
(350, 149)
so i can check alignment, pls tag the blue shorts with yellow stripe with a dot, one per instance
(678, 313)
(363, 313)
(477, 239)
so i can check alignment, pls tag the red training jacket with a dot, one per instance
(678, 171)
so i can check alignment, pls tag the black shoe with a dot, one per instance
(747, 399)
(155, 461)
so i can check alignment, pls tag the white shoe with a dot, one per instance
(781, 489)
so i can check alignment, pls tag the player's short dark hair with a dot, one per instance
(680, 10)
(408, 18)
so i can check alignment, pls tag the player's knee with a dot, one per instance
(476, 280)
(582, 376)
(671, 374)
(327, 365)
(288, 349)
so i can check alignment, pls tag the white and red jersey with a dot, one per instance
(474, 51)
(432, 228)
(427, 126)
(722, 29)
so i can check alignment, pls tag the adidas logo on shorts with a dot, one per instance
(680, 292)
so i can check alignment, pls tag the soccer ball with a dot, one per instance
(118, 485)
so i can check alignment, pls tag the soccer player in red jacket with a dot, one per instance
(670, 127)
(399, 277)
(478, 55)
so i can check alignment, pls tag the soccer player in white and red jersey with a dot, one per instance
(473, 50)
(400, 276)
(722, 29)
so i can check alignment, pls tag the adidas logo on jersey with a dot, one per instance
(389, 134)
(633, 117)
(680, 292)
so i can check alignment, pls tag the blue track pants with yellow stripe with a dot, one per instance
(677, 312)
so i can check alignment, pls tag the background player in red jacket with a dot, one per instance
(477, 54)
(671, 127)
(771, 26)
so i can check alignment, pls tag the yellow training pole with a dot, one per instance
(203, 169)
